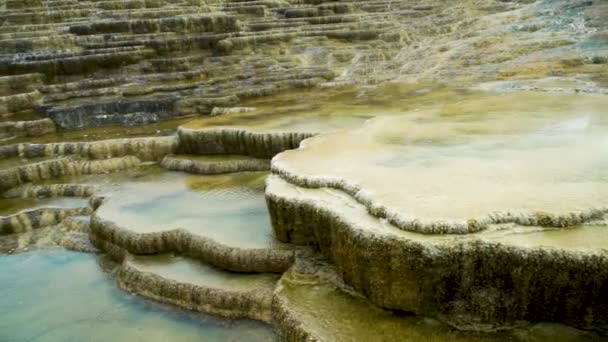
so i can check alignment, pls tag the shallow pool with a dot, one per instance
(56, 295)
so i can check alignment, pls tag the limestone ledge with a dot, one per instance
(146, 149)
(216, 166)
(78, 224)
(58, 235)
(56, 168)
(51, 190)
(287, 325)
(20, 83)
(253, 304)
(108, 236)
(237, 141)
(218, 23)
(28, 220)
(32, 128)
(408, 223)
(466, 282)
(19, 102)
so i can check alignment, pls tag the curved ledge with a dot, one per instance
(37, 218)
(183, 242)
(62, 167)
(51, 236)
(287, 325)
(467, 281)
(213, 167)
(32, 128)
(51, 190)
(397, 219)
(237, 141)
(254, 304)
(146, 149)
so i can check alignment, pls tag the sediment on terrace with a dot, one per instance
(194, 286)
(472, 283)
(118, 240)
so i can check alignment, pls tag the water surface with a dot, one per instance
(56, 295)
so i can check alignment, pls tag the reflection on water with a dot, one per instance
(227, 208)
(64, 296)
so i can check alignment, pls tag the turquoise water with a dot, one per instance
(57, 295)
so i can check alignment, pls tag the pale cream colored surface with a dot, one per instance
(518, 152)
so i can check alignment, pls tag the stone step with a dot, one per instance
(52, 236)
(195, 286)
(209, 165)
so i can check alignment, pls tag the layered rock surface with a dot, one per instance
(197, 287)
(102, 63)
(466, 211)
(476, 204)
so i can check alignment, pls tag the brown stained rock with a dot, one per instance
(471, 284)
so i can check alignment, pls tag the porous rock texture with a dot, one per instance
(50, 190)
(118, 240)
(92, 65)
(469, 283)
(146, 149)
(53, 236)
(55, 168)
(238, 141)
(253, 302)
(37, 218)
(97, 63)
(214, 166)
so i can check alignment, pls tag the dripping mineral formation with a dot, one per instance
(314, 170)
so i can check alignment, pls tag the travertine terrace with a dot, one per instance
(374, 170)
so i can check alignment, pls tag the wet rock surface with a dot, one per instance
(437, 167)
(197, 287)
(209, 165)
(311, 304)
